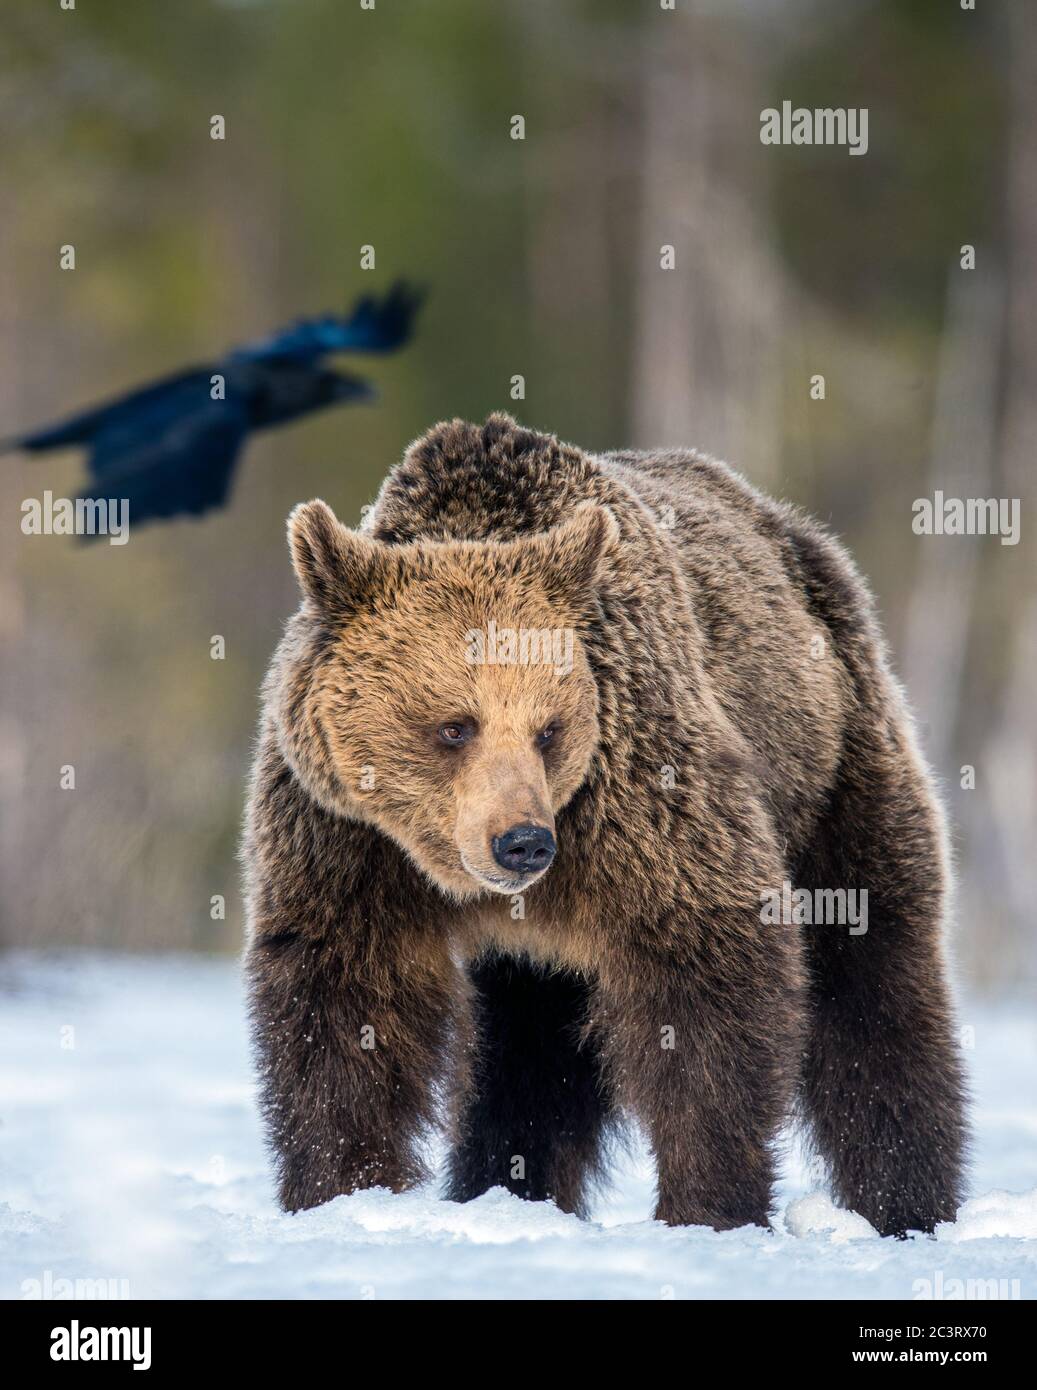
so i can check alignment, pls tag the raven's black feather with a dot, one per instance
(373, 326)
(170, 448)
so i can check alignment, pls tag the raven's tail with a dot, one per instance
(54, 437)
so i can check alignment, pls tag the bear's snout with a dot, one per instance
(524, 849)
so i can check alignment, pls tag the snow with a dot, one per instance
(995, 1214)
(817, 1215)
(130, 1152)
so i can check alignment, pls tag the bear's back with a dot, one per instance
(738, 542)
(495, 481)
(783, 620)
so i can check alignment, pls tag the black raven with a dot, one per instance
(170, 448)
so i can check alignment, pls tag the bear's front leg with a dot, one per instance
(349, 1052)
(354, 1000)
(704, 1020)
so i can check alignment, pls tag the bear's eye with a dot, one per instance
(455, 733)
(546, 734)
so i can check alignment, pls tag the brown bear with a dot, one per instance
(546, 736)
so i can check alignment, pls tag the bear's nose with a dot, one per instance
(524, 849)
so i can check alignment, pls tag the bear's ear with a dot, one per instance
(572, 556)
(335, 566)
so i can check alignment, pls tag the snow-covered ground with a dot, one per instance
(130, 1152)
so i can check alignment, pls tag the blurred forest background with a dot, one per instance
(347, 126)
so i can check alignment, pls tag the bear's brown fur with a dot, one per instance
(726, 722)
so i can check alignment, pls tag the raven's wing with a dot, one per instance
(140, 414)
(375, 325)
(184, 469)
(170, 448)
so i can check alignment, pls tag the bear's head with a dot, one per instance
(441, 690)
